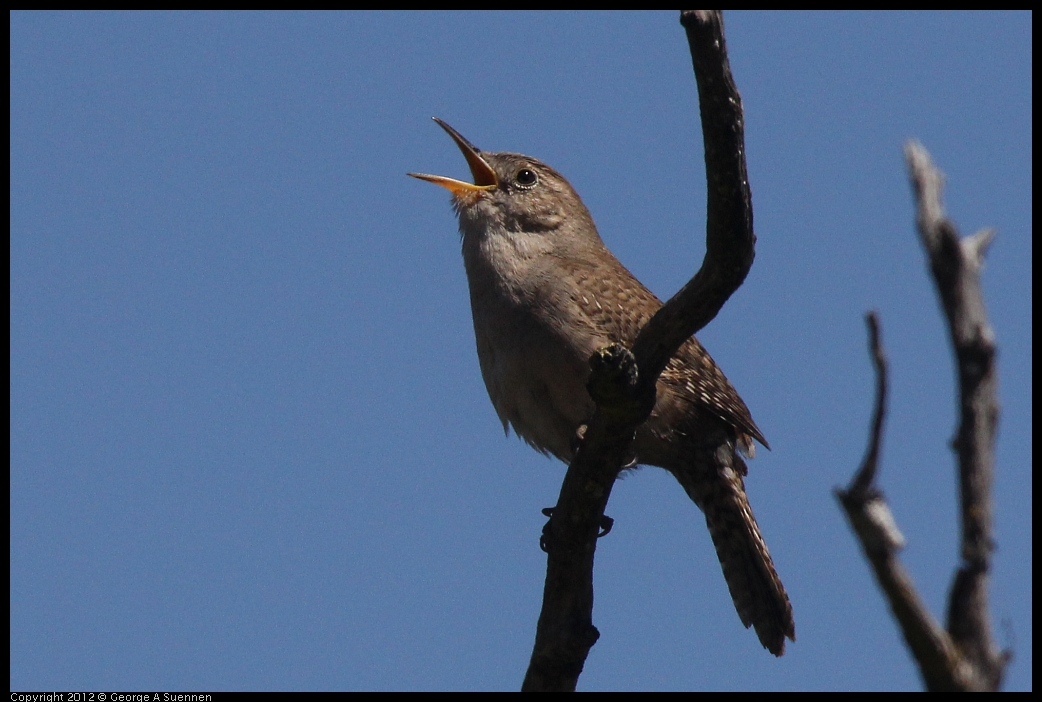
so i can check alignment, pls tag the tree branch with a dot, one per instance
(730, 241)
(623, 384)
(874, 525)
(956, 264)
(964, 657)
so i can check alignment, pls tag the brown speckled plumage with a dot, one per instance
(546, 294)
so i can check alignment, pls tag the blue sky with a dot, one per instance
(250, 445)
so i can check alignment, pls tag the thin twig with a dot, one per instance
(876, 529)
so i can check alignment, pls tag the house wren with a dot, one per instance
(546, 294)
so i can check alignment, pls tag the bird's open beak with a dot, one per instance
(484, 176)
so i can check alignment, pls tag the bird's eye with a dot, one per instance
(526, 178)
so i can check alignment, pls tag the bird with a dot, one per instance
(546, 294)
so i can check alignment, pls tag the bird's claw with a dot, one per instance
(606, 524)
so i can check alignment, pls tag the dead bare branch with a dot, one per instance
(963, 657)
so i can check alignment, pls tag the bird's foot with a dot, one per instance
(614, 384)
(606, 523)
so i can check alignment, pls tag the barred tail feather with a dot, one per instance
(757, 591)
(715, 484)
